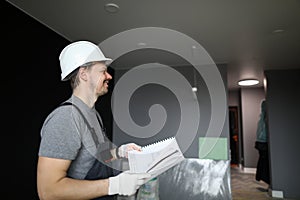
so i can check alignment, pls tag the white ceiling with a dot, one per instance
(234, 32)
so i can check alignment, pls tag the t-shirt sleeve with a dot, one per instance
(60, 134)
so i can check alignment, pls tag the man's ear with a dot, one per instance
(82, 73)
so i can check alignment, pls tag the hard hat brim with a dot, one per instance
(67, 76)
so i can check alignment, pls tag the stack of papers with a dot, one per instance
(155, 158)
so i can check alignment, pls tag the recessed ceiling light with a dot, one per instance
(277, 31)
(111, 7)
(248, 82)
(142, 44)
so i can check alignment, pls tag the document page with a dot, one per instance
(155, 158)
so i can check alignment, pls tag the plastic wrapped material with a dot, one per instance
(196, 179)
(192, 179)
(149, 191)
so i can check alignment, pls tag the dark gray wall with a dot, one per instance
(32, 88)
(151, 94)
(234, 98)
(250, 105)
(283, 103)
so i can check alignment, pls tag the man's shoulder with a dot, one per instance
(62, 114)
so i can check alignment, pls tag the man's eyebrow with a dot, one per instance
(103, 69)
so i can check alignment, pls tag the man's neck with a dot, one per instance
(87, 98)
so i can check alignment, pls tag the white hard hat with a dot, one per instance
(78, 53)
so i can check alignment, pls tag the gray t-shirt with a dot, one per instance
(65, 135)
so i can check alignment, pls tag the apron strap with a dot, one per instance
(104, 152)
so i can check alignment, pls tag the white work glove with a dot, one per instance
(123, 149)
(126, 183)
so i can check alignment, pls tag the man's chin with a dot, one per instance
(102, 92)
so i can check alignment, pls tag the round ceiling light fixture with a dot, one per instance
(248, 82)
(111, 8)
(278, 31)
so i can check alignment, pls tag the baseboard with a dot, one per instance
(249, 170)
(240, 166)
(275, 193)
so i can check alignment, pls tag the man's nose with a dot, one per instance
(108, 76)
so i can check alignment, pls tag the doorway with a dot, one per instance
(234, 135)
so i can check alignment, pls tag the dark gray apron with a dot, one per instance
(99, 170)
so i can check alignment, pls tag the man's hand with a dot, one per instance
(123, 149)
(126, 183)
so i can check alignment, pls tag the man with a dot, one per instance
(74, 150)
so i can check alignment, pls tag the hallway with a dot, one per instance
(244, 186)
